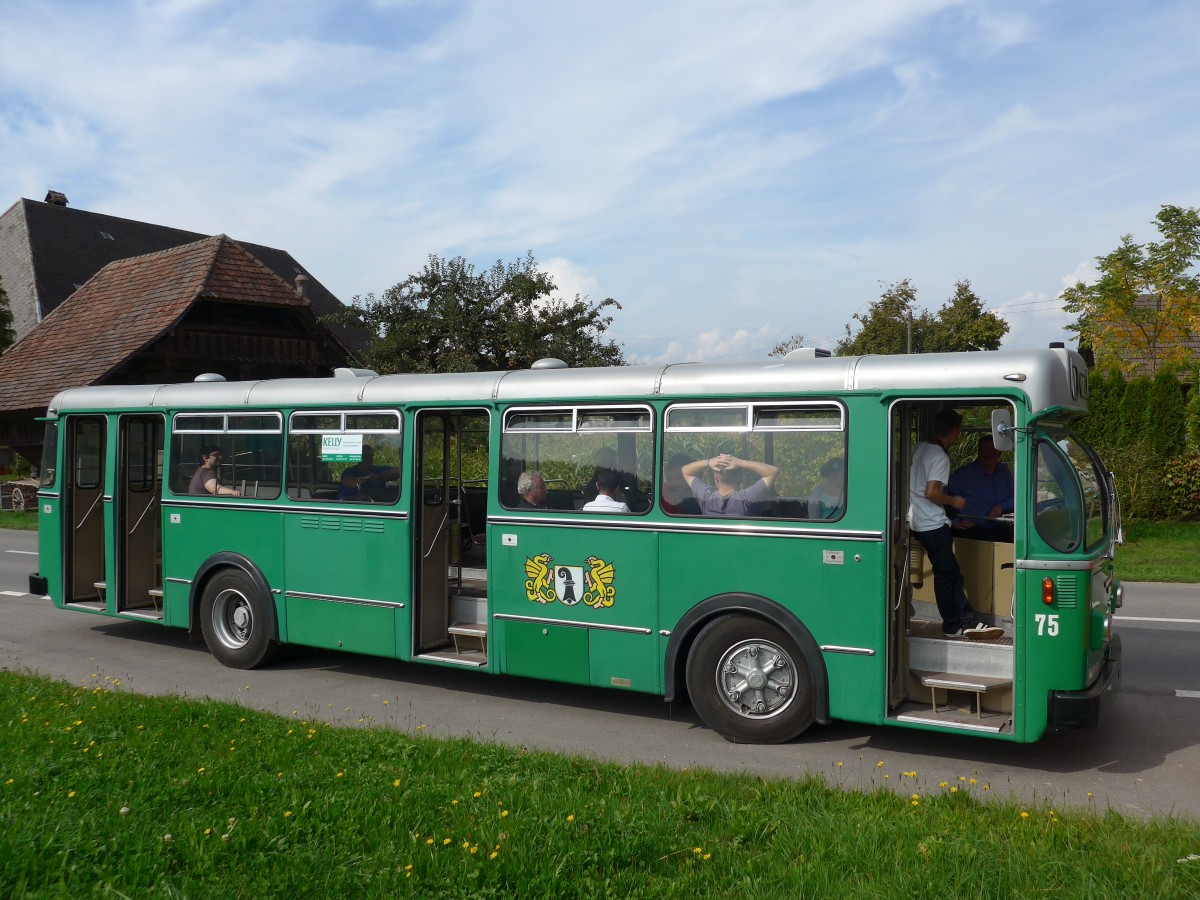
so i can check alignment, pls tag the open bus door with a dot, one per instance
(85, 559)
(137, 515)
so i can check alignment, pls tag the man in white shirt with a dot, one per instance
(931, 526)
(608, 483)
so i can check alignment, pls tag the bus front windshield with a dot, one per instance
(1071, 493)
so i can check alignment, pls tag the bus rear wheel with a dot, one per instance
(748, 682)
(236, 622)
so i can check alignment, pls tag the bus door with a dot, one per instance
(138, 516)
(450, 598)
(953, 681)
(84, 517)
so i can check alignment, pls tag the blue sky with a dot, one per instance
(731, 173)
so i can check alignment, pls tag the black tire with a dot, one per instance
(236, 621)
(748, 681)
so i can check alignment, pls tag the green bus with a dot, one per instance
(783, 611)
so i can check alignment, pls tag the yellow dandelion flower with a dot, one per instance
(408, 874)
(697, 850)
(200, 771)
(879, 765)
(973, 781)
(477, 795)
(570, 818)
(454, 802)
(287, 814)
(493, 854)
(504, 813)
(942, 784)
(408, 868)
(916, 803)
(1090, 794)
(1024, 814)
(916, 796)
(396, 783)
(446, 842)
(961, 778)
(839, 765)
(474, 850)
(428, 841)
(466, 844)
(70, 793)
(385, 703)
(707, 856)
(208, 831)
(10, 781)
(340, 774)
(954, 790)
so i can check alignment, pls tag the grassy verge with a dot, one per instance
(20, 521)
(1160, 551)
(107, 792)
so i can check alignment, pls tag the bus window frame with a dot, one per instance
(225, 416)
(342, 415)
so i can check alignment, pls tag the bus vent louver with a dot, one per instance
(1066, 592)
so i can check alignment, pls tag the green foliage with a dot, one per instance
(784, 347)
(450, 318)
(1132, 411)
(1147, 299)
(1165, 417)
(1193, 414)
(1181, 478)
(1160, 551)
(891, 325)
(7, 335)
(105, 793)
(963, 324)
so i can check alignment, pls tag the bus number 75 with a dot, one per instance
(1047, 624)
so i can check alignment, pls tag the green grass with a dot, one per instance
(1160, 551)
(19, 521)
(105, 792)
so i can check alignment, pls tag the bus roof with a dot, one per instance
(1050, 378)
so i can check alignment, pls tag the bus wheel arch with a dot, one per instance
(231, 601)
(778, 627)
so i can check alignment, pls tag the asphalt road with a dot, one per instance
(1144, 760)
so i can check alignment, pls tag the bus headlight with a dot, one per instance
(1119, 596)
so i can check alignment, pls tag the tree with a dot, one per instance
(892, 325)
(7, 335)
(963, 324)
(784, 347)
(887, 325)
(1146, 302)
(450, 318)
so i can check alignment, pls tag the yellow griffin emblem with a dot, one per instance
(599, 581)
(539, 579)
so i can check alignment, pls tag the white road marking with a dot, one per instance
(26, 552)
(12, 593)
(1194, 695)
(1150, 619)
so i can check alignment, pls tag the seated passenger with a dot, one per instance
(987, 484)
(207, 478)
(829, 497)
(532, 488)
(607, 483)
(729, 498)
(677, 497)
(628, 491)
(364, 480)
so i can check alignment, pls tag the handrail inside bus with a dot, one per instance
(87, 514)
(149, 506)
(437, 534)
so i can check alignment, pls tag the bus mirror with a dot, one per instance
(1002, 430)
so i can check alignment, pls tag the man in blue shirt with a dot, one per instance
(987, 484)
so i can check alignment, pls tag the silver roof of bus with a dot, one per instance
(1050, 379)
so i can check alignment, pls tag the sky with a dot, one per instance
(733, 174)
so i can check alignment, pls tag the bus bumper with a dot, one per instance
(37, 585)
(1082, 709)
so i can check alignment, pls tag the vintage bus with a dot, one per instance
(785, 611)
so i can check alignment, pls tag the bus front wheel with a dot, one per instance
(236, 622)
(748, 682)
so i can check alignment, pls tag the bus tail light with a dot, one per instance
(1047, 590)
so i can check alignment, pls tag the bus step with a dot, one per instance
(101, 587)
(949, 681)
(469, 636)
(156, 592)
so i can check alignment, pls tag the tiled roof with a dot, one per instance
(127, 306)
(68, 246)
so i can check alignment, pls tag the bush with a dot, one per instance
(1181, 478)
